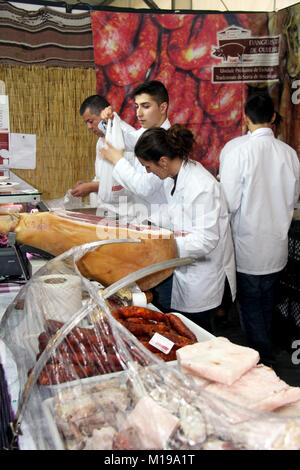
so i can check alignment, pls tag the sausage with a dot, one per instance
(81, 335)
(170, 21)
(113, 36)
(134, 68)
(166, 70)
(180, 327)
(190, 47)
(143, 329)
(54, 374)
(116, 96)
(178, 340)
(142, 312)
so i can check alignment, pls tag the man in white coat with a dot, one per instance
(152, 101)
(107, 196)
(260, 178)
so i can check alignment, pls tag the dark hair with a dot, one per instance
(95, 104)
(259, 108)
(155, 89)
(177, 141)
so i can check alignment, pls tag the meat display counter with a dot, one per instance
(17, 196)
(15, 190)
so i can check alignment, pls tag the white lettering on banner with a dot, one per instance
(296, 94)
(296, 354)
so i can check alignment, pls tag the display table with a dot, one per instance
(20, 192)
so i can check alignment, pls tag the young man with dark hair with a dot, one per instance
(260, 178)
(151, 101)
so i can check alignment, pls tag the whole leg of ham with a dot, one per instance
(58, 231)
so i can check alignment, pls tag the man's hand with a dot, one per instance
(82, 189)
(110, 153)
(107, 113)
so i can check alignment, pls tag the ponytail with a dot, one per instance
(177, 141)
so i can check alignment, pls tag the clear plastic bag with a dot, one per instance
(114, 136)
(87, 382)
(67, 202)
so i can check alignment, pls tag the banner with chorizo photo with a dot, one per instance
(209, 64)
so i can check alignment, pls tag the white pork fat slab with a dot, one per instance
(217, 360)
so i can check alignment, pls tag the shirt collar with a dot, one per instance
(262, 131)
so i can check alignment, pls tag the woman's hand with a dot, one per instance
(107, 113)
(110, 153)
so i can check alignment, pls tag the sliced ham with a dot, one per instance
(57, 231)
(259, 388)
(217, 360)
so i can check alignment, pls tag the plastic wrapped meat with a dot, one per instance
(58, 231)
(217, 360)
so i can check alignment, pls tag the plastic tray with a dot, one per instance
(48, 404)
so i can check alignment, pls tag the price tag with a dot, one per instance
(161, 342)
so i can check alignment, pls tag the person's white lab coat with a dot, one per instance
(147, 187)
(198, 215)
(198, 209)
(260, 178)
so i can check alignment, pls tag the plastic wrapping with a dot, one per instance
(87, 382)
(58, 231)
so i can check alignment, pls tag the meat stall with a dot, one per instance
(95, 371)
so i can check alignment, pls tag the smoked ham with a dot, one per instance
(57, 231)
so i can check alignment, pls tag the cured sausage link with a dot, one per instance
(142, 312)
(180, 327)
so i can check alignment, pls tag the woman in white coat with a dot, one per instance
(196, 212)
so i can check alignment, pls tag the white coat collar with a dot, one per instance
(166, 124)
(181, 176)
(262, 131)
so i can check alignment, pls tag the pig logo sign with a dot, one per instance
(231, 46)
(231, 50)
(245, 58)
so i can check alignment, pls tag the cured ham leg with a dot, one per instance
(57, 231)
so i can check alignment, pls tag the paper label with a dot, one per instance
(161, 343)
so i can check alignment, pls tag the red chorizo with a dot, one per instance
(113, 36)
(191, 48)
(115, 97)
(134, 68)
(178, 340)
(180, 327)
(171, 21)
(141, 312)
(146, 329)
(166, 69)
(54, 374)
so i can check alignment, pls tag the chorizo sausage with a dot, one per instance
(113, 36)
(142, 312)
(190, 48)
(180, 327)
(134, 68)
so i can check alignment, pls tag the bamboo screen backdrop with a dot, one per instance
(46, 102)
